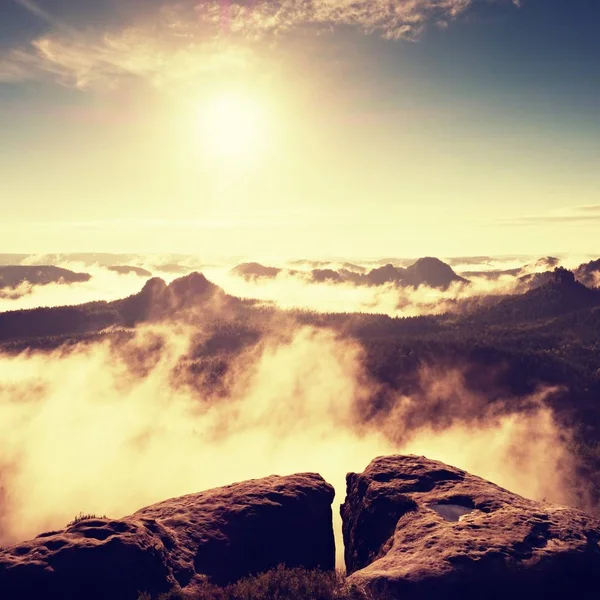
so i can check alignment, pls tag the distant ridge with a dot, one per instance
(427, 271)
(12, 276)
(560, 295)
(129, 270)
(154, 302)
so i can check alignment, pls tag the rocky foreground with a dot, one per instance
(220, 535)
(419, 529)
(413, 529)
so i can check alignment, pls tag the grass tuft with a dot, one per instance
(278, 584)
(84, 517)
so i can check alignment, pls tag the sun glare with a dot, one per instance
(233, 126)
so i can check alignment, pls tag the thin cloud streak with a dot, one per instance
(577, 214)
(39, 12)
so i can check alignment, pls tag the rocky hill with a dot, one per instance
(431, 272)
(156, 300)
(559, 295)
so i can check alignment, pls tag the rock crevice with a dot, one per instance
(449, 534)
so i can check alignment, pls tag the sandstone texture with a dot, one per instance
(417, 528)
(219, 535)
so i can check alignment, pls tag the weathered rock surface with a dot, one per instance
(417, 528)
(221, 534)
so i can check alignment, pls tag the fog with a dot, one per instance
(287, 290)
(108, 428)
(296, 291)
(103, 285)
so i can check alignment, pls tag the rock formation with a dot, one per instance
(431, 272)
(416, 528)
(413, 528)
(220, 535)
(255, 270)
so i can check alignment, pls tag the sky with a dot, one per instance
(300, 129)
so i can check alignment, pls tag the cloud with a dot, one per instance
(104, 285)
(183, 40)
(35, 9)
(297, 290)
(288, 291)
(577, 214)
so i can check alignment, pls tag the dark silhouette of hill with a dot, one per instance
(431, 272)
(154, 302)
(12, 276)
(428, 271)
(588, 273)
(254, 270)
(560, 295)
(382, 275)
(529, 275)
(352, 267)
(128, 270)
(321, 275)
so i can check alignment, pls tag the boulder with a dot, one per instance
(219, 535)
(251, 527)
(417, 528)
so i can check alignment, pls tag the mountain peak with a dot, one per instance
(194, 284)
(153, 286)
(386, 274)
(432, 272)
(562, 276)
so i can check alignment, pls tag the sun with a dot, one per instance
(233, 125)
